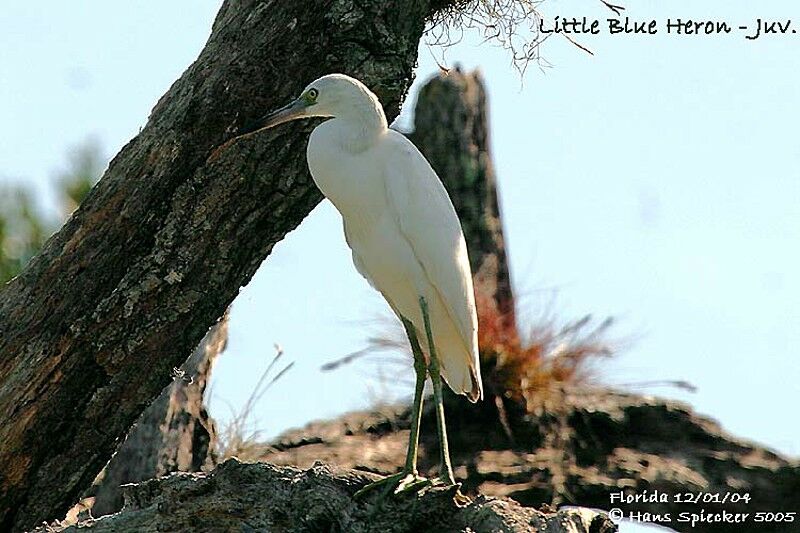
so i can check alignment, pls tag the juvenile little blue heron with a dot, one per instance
(405, 237)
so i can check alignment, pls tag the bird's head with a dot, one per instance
(333, 95)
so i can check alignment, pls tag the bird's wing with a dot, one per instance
(428, 221)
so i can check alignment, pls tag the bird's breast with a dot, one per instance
(352, 181)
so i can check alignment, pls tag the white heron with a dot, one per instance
(405, 238)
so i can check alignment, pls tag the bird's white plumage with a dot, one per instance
(428, 221)
(399, 222)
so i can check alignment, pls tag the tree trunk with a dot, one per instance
(451, 128)
(174, 434)
(90, 331)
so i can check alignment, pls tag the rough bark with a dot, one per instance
(451, 127)
(578, 449)
(90, 331)
(262, 497)
(174, 434)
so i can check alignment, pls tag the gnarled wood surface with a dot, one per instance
(581, 446)
(240, 497)
(174, 434)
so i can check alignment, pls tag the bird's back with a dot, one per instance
(428, 221)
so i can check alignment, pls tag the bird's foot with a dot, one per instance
(459, 498)
(402, 482)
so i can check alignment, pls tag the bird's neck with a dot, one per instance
(362, 125)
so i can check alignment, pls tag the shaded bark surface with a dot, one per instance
(240, 497)
(90, 331)
(174, 434)
(451, 128)
(577, 449)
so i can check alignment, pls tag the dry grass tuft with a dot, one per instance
(548, 357)
(523, 369)
(240, 436)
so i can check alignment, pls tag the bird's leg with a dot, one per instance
(446, 469)
(419, 388)
(409, 479)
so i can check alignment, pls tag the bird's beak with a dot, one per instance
(293, 110)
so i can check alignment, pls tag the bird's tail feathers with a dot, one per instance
(463, 377)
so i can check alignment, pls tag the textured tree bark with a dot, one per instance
(451, 128)
(90, 331)
(174, 434)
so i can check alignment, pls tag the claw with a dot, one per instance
(454, 489)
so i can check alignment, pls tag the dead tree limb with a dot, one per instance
(582, 447)
(174, 434)
(262, 497)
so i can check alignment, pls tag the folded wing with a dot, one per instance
(428, 221)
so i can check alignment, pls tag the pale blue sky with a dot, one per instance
(656, 182)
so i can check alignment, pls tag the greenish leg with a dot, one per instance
(408, 479)
(446, 470)
(419, 388)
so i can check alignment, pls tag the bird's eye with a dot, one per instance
(312, 94)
